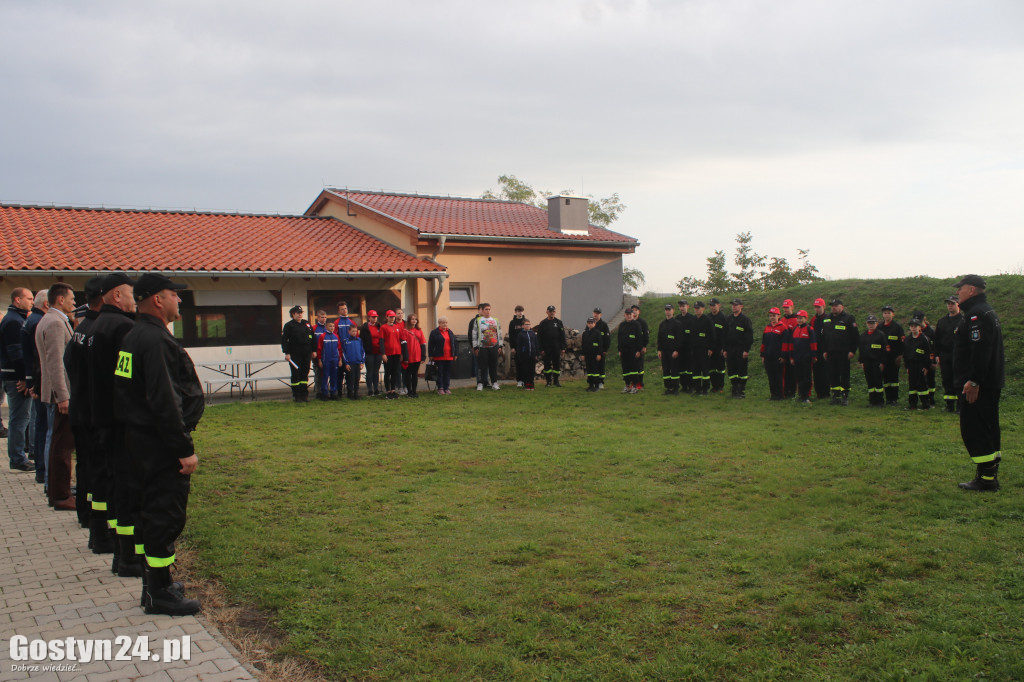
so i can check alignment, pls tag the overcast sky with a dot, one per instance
(886, 137)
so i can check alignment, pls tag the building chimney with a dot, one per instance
(568, 215)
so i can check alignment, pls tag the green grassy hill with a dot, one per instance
(863, 296)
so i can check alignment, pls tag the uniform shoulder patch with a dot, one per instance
(124, 365)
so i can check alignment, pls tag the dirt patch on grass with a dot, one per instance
(250, 630)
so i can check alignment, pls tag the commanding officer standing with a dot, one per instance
(161, 401)
(841, 341)
(551, 336)
(717, 345)
(945, 338)
(297, 344)
(978, 365)
(739, 336)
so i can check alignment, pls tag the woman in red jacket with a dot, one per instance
(415, 351)
(391, 348)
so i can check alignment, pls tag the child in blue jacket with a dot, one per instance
(354, 356)
(328, 357)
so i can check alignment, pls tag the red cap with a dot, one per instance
(774, 311)
(390, 313)
(801, 313)
(372, 313)
(787, 303)
(819, 301)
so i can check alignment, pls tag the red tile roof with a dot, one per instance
(85, 239)
(455, 216)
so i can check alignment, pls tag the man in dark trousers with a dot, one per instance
(116, 498)
(739, 336)
(630, 350)
(161, 401)
(717, 345)
(668, 350)
(894, 338)
(297, 344)
(820, 370)
(606, 343)
(513, 332)
(551, 336)
(979, 368)
(701, 331)
(841, 341)
(945, 339)
(686, 319)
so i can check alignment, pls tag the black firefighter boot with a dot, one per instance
(163, 596)
(100, 536)
(129, 564)
(986, 479)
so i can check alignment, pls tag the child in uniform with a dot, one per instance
(328, 355)
(918, 356)
(592, 343)
(354, 356)
(527, 348)
(874, 355)
(803, 353)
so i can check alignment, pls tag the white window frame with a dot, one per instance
(469, 287)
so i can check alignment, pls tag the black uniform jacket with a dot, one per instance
(739, 333)
(630, 336)
(701, 331)
(156, 387)
(76, 364)
(591, 342)
(978, 353)
(297, 339)
(894, 337)
(918, 351)
(945, 335)
(551, 335)
(670, 334)
(104, 343)
(840, 333)
(873, 347)
(606, 334)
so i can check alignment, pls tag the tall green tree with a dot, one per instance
(603, 212)
(756, 272)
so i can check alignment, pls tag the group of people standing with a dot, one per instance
(112, 385)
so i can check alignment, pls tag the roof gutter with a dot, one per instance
(525, 240)
(231, 273)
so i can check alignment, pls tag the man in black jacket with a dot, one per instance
(841, 341)
(739, 337)
(717, 361)
(979, 368)
(945, 339)
(606, 343)
(161, 401)
(297, 345)
(668, 350)
(894, 340)
(551, 336)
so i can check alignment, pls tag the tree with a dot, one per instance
(718, 280)
(603, 212)
(752, 275)
(807, 272)
(632, 279)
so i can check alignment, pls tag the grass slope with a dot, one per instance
(569, 535)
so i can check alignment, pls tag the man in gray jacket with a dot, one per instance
(52, 337)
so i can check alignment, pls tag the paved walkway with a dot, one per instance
(53, 587)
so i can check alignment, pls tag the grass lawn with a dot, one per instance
(568, 535)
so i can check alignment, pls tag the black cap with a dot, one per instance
(916, 322)
(952, 299)
(295, 309)
(114, 280)
(736, 301)
(919, 314)
(836, 301)
(971, 280)
(668, 306)
(597, 310)
(698, 304)
(94, 288)
(714, 301)
(888, 307)
(590, 320)
(872, 318)
(682, 301)
(153, 283)
(551, 307)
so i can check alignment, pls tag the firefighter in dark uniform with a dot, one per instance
(841, 341)
(668, 351)
(739, 337)
(945, 337)
(591, 344)
(772, 355)
(297, 345)
(686, 319)
(928, 330)
(630, 350)
(894, 338)
(606, 343)
(551, 337)
(118, 490)
(161, 401)
(919, 358)
(76, 364)
(820, 370)
(979, 370)
(701, 332)
(645, 340)
(717, 345)
(872, 358)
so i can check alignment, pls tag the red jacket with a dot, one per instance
(414, 342)
(390, 341)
